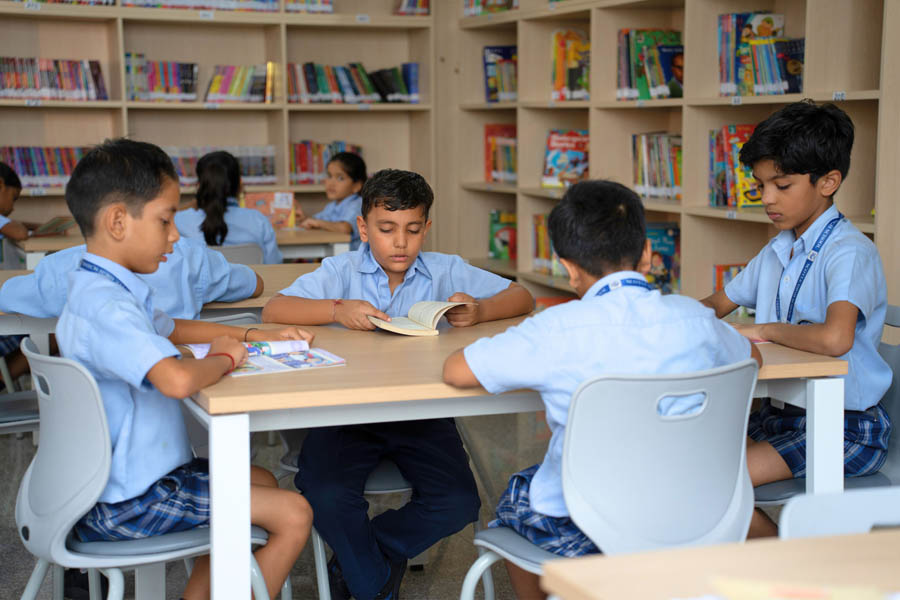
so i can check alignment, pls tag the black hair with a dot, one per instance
(118, 170)
(803, 138)
(599, 225)
(396, 190)
(218, 178)
(8, 176)
(352, 164)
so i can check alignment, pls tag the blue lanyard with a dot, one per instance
(622, 283)
(89, 266)
(810, 258)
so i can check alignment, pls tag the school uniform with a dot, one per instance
(4, 221)
(346, 211)
(245, 226)
(620, 326)
(191, 276)
(846, 267)
(109, 325)
(336, 461)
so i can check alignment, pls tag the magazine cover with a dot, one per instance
(503, 235)
(671, 61)
(566, 158)
(665, 262)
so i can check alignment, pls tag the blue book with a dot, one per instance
(493, 55)
(411, 79)
(671, 61)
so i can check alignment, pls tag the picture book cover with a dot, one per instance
(422, 319)
(276, 357)
(565, 158)
(494, 57)
(570, 65)
(671, 61)
(277, 206)
(753, 26)
(790, 63)
(744, 190)
(665, 262)
(641, 46)
(502, 243)
(500, 152)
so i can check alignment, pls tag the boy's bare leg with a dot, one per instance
(286, 515)
(765, 466)
(525, 584)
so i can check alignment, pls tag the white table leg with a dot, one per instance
(825, 435)
(229, 481)
(32, 259)
(339, 248)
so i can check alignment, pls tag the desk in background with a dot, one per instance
(33, 249)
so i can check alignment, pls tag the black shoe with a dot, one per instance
(391, 589)
(75, 585)
(336, 583)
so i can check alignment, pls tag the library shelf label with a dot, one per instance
(839, 96)
(640, 104)
(208, 15)
(211, 105)
(731, 214)
(31, 5)
(38, 192)
(736, 100)
(363, 18)
(33, 102)
(363, 107)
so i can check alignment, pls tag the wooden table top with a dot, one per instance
(386, 367)
(302, 237)
(850, 560)
(50, 243)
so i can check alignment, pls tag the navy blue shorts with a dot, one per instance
(177, 502)
(559, 535)
(866, 435)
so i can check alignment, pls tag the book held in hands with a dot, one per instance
(422, 318)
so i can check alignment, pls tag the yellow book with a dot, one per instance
(236, 83)
(422, 319)
(215, 83)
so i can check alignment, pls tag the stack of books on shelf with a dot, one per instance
(257, 162)
(565, 158)
(650, 64)
(500, 83)
(500, 153)
(571, 65)
(352, 84)
(42, 166)
(308, 159)
(310, 6)
(254, 83)
(84, 2)
(241, 5)
(159, 80)
(51, 79)
(502, 244)
(754, 57)
(731, 183)
(723, 274)
(545, 259)
(665, 261)
(473, 8)
(412, 7)
(657, 164)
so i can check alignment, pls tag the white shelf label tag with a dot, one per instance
(736, 100)
(731, 214)
(33, 102)
(208, 15)
(363, 107)
(38, 192)
(363, 18)
(839, 96)
(211, 105)
(31, 5)
(641, 103)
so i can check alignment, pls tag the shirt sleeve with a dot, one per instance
(511, 360)
(733, 347)
(4, 221)
(42, 294)
(853, 273)
(225, 282)
(473, 281)
(323, 283)
(742, 289)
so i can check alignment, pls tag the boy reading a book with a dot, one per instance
(816, 286)
(124, 195)
(619, 325)
(383, 278)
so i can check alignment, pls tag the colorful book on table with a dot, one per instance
(422, 319)
(277, 357)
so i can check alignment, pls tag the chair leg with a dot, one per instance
(286, 591)
(150, 581)
(59, 575)
(94, 584)
(481, 564)
(257, 582)
(36, 579)
(487, 580)
(116, 583)
(188, 566)
(321, 565)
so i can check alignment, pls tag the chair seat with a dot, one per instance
(385, 479)
(778, 492)
(18, 407)
(192, 539)
(513, 547)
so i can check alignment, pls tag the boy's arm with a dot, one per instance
(719, 302)
(335, 226)
(834, 337)
(181, 378)
(457, 371)
(755, 354)
(199, 332)
(260, 286)
(352, 314)
(515, 300)
(15, 231)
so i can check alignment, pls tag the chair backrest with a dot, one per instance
(635, 480)
(71, 467)
(242, 254)
(852, 511)
(891, 400)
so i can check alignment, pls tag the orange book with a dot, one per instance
(277, 206)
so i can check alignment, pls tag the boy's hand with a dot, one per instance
(353, 314)
(288, 333)
(752, 332)
(310, 223)
(231, 347)
(465, 315)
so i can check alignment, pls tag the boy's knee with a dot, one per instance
(325, 496)
(461, 508)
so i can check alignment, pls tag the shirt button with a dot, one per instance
(787, 279)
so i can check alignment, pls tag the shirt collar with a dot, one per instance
(368, 264)
(785, 240)
(129, 279)
(617, 276)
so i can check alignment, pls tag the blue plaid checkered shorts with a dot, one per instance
(559, 535)
(866, 435)
(9, 343)
(177, 502)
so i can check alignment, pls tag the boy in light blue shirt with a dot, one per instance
(193, 275)
(346, 174)
(817, 286)
(620, 325)
(383, 278)
(123, 195)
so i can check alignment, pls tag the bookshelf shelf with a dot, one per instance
(507, 268)
(204, 106)
(848, 96)
(181, 15)
(488, 106)
(84, 104)
(492, 20)
(639, 104)
(557, 283)
(361, 20)
(43, 191)
(662, 205)
(553, 105)
(488, 186)
(47, 10)
(375, 107)
(546, 193)
(749, 215)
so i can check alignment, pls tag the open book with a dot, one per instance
(55, 226)
(422, 319)
(277, 357)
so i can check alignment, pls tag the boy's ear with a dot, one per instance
(827, 185)
(574, 272)
(643, 266)
(113, 220)
(361, 226)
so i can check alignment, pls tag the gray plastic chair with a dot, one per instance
(67, 476)
(853, 511)
(241, 254)
(778, 492)
(634, 480)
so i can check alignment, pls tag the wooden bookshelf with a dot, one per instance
(367, 31)
(856, 64)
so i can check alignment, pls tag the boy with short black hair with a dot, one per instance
(620, 325)
(123, 195)
(384, 278)
(817, 286)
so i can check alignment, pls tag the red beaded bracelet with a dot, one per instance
(229, 358)
(334, 308)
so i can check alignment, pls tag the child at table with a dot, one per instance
(620, 325)
(218, 219)
(123, 195)
(816, 286)
(383, 278)
(346, 174)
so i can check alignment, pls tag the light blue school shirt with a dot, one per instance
(116, 334)
(245, 226)
(4, 220)
(847, 268)
(629, 330)
(345, 210)
(357, 275)
(191, 276)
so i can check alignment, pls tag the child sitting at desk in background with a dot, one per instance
(383, 278)
(346, 174)
(817, 286)
(123, 195)
(620, 325)
(218, 219)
